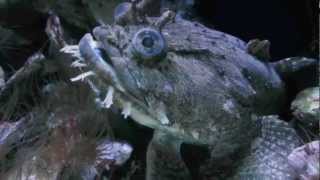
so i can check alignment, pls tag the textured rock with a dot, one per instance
(114, 152)
(306, 106)
(66, 154)
(305, 161)
(268, 156)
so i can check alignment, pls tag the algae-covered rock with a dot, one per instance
(306, 106)
(66, 154)
(305, 161)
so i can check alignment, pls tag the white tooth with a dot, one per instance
(108, 101)
(70, 49)
(73, 50)
(77, 55)
(126, 110)
(163, 119)
(78, 64)
(195, 134)
(161, 114)
(82, 76)
(98, 161)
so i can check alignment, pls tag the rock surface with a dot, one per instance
(306, 161)
(306, 106)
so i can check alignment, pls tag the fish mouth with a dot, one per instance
(99, 68)
(90, 51)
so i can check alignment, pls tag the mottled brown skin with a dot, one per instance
(203, 70)
(208, 86)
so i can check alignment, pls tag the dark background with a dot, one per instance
(290, 25)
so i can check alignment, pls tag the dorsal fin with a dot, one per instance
(287, 67)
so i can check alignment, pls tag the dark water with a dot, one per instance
(289, 24)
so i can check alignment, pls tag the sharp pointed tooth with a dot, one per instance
(73, 50)
(82, 76)
(78, 64)
(70, 49)
(164, 119)
(126, 110)
(78, 56)
(108, 101)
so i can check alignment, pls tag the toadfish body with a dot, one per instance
(192, 85)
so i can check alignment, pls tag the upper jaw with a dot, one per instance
(116, 94)
(89, 51)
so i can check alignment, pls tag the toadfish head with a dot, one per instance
(136, 65)
(195, 84)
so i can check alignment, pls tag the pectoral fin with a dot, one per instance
(164, 161)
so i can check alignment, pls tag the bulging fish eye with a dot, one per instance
(149, 44)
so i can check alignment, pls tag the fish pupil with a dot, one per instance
(148, 42)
